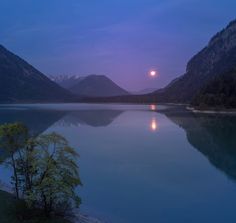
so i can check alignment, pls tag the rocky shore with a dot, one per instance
(86, 219)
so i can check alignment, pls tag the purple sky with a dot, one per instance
(122, 39)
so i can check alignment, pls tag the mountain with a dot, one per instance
(219, 93)
(210, 66)
(217, 58)
(90, 86)
(66, 81)
(21, 82)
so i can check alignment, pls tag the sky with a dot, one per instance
(123, 39)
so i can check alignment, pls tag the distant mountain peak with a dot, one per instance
(93, 85)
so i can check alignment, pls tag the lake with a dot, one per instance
(144, 163)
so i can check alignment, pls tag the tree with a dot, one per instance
(50, 175)
(45, 170)
(13, 137)
(219, 93)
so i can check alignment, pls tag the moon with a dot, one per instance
(153, 73)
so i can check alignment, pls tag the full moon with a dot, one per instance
(153, 73)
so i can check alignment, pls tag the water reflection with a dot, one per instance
(39, 120)
(212, 135)
(94, 118)
(36, 120)
(129, 163)
(154, 125)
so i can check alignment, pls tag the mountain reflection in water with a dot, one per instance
(214, 135)
(211, 134)
(132, 153)
(39, 120)
(94, 118)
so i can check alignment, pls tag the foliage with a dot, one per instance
(53, 175)
(219, 93)
(12, 211)
(13, 137)
(46, 173)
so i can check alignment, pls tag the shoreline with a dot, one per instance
(82, 218)
(189, 108)
(78, 218)
(194, 110)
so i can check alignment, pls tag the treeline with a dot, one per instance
(45, 173)
(140, 99)
(220, 93)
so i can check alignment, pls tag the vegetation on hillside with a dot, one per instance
(219, 93)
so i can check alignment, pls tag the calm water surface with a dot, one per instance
(144, 164)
